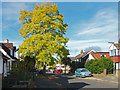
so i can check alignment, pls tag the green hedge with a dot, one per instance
(97, 66)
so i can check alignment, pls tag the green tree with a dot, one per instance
(66, 61)
(74, 65)
(43, 30)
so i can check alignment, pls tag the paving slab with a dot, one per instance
(45, 83)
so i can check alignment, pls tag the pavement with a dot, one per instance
(103, 78)
(45, 83)
(106, 78)
(0, 82)
(70, 81)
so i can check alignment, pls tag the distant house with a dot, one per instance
(72, 59)
(98, 55)
(62, 66)
(7, 57)
(83, 57)
(114, 51)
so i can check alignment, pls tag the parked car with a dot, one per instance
(58, 71)
(47, 70)
(54, 70)
(82, 72)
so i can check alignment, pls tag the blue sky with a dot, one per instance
(90, 24)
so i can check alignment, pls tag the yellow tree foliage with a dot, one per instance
(43, 30)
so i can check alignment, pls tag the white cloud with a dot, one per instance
(119, 35)
(76, 46)
(82, 41)
(10, 12)
(104, 21)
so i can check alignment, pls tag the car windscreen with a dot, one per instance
(84, 70)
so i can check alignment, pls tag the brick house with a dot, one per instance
(98, 55)
(114, 51)
(83, 57)
(7, 57)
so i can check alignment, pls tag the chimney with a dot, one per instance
(119, 41)
(6, 41)
(81, 51)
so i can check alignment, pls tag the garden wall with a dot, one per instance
(102, 74)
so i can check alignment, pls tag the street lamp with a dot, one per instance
(113, 57)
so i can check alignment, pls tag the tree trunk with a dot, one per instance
(44, 69)
(65, 69)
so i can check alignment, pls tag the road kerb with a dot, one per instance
(93, 78)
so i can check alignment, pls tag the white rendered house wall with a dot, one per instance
(1, 64)
(90, 57)
(112, 47)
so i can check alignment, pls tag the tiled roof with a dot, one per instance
(6, 47)
(97, 55)
(72, 58)
(117, 45)
(94, 56)
(83, 54)
(3, 55)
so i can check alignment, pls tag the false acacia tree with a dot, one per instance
(43, 30)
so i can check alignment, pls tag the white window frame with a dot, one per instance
(104, 55)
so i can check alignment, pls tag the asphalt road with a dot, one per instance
(67, 81)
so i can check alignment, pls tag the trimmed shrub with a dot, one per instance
(107, 64)
(97, 66)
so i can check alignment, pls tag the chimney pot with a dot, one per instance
(6, 41)
(119, 41)
(81, 51)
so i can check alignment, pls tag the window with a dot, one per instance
(11, 52)
(111, 52)
(118, 51)
(79, 59)
(116, 65)
(115, 52)
(103, 55)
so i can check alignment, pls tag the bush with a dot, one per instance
(97, 66)
(74, 65)
(108, 64)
